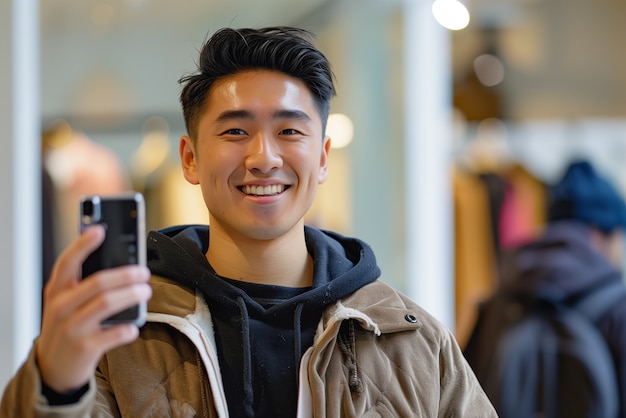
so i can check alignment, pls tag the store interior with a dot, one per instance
(532, 85)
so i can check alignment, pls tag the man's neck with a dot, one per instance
(283, 261)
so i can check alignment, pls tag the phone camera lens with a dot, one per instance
(91, 210)
(88, 208)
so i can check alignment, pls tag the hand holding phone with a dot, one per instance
(72, 339)
(123, 218)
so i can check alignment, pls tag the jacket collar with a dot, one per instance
(377, 307)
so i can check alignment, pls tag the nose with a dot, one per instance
(263, 154)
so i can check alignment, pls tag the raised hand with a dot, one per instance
(72, 340)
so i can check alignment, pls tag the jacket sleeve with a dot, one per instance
(613, 327)
(23, 398)
(461, 393)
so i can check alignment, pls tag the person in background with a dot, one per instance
(579, 253)
(585, 234)
(259, 315)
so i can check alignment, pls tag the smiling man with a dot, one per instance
(258, 315)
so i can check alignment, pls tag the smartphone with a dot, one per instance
(123, 218)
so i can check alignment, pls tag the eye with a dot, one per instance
(289, 131)
(234, 131)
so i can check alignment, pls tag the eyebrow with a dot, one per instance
(246, 114)
(291, 114)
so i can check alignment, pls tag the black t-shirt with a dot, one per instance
(259, 355)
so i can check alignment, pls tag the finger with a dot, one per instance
(85, 325)
(84, 322)
(67, 267)
(96, 289)
(115, 299)
(113, 277)
(115, 336)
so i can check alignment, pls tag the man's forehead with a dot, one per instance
(255, 94)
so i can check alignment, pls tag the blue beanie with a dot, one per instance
(584, 195)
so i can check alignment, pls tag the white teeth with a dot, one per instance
(264, 191)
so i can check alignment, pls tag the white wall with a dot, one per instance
(6, 189)
(19, 183)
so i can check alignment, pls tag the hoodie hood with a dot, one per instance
(342, 264)
(561, 262)
(262, 331)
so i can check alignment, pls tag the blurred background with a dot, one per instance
(446, 139)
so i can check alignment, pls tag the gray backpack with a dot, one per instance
(541, 356)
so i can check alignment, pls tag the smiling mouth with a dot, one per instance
(274, 189)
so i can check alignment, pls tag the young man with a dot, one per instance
(260, 315)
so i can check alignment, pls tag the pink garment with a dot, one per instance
(517, 224)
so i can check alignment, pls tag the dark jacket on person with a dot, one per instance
(564, 261)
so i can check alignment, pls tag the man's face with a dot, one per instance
(259, 155)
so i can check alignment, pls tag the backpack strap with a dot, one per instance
(595, 304)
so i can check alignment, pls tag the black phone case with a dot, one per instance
(123, 218)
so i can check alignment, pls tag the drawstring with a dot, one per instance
(297, 336)
(248, 398)
(347, 345)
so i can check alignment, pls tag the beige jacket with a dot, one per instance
(376, 354)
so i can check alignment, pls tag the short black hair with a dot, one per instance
(230, 51)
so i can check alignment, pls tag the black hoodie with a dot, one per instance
(262, 331)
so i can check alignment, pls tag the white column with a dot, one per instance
(428, 139)
(20, 204)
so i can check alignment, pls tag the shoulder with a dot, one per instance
(393, 311)
(171, 297)
(394, 330)
(613, 326)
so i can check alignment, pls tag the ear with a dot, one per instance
(187, 152)
(598, 239)
(323, 174)
(610, 245)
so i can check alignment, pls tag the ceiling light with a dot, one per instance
(451, 14)
(340, 129)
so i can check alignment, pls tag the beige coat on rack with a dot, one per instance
(78, 166)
